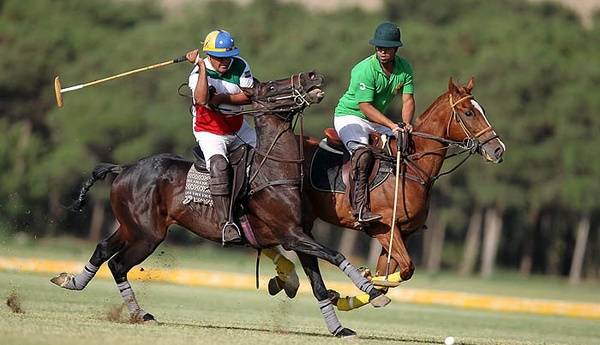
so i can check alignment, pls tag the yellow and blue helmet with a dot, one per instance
(220, 43)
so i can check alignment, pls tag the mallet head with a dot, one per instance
(57, 93)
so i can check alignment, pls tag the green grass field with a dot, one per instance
(210, 316)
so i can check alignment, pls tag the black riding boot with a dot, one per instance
(220, 190)
(362, 163)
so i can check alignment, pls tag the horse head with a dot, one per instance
(468, 123)
(288, 96)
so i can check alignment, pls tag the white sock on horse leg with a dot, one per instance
(129, 298)
(81, 280)
(361, 282)
(331, 320)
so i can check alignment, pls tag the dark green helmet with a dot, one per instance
(386, 35)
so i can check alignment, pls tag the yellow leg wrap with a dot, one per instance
(283, 266)
(349, 303)
(394, 278)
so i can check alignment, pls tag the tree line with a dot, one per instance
(535, 71)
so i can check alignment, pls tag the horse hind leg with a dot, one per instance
(286, 278)
(104, 251)
(120, 265)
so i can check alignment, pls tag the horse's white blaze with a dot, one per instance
(478, 107)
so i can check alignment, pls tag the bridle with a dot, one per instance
(471, 144)
(470, 136)
(298, 94)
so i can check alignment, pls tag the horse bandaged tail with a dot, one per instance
(196, 187)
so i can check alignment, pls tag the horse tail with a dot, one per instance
(100, 172)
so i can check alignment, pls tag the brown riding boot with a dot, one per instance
(362, 163)
(220, 191)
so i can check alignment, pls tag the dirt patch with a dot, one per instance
(118, 313)
(115, 313)
(13, 301)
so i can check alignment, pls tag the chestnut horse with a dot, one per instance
(146, 198)
(455, 118)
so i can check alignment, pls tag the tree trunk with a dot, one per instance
(472, 243)
(22, 144)
(348, 242)
(374, 252)
(491, 239)
(526, 262)
(97, 221)
(436, 245)
(583, 229)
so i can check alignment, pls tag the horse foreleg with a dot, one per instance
(309, 246)
(286, 278)
(400, 259)
(104, 251)
(311, 267)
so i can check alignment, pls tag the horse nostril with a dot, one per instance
(498, 152)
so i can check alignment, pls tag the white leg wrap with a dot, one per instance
(331, 320)
(361, 282)
(129, 299)
(81, 280)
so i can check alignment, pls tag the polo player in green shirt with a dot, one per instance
(373, 84)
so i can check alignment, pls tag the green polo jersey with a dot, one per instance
(368, 83)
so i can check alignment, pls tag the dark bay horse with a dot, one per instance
(454, 117)
(146, 198)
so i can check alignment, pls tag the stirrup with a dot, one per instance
(373, 217)
(237, 229)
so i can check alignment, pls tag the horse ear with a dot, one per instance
(470, 84)
(452, 87)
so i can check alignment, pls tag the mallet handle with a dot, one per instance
(81, 86)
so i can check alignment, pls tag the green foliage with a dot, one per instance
(534, 64)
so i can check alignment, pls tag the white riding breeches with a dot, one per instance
(354, 131)
(221, 144)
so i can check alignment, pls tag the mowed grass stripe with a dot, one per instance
(207, 278)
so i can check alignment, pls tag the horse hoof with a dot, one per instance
(149, 319)
(380, 301)
(61, 279)
(274, 286)
(291, 287)
(346, 333)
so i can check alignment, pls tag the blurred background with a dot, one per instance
(536, 66)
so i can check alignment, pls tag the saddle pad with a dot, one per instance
(326, 172)
(196, 187)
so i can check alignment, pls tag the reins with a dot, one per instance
(300, 101)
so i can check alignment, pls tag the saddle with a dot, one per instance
(330, 168)
(240, 158)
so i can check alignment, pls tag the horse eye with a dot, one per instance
(271, 88)
(469, 113)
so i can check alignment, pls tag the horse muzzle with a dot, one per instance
(493, 151)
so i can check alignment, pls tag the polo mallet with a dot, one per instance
(386, 282)
(58, 90)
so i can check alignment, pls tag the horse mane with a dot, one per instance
(423, 117)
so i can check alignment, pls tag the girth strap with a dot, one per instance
(274, 183)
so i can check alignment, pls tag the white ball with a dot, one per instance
(449, 341)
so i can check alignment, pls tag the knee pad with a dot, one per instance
(220, 175)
